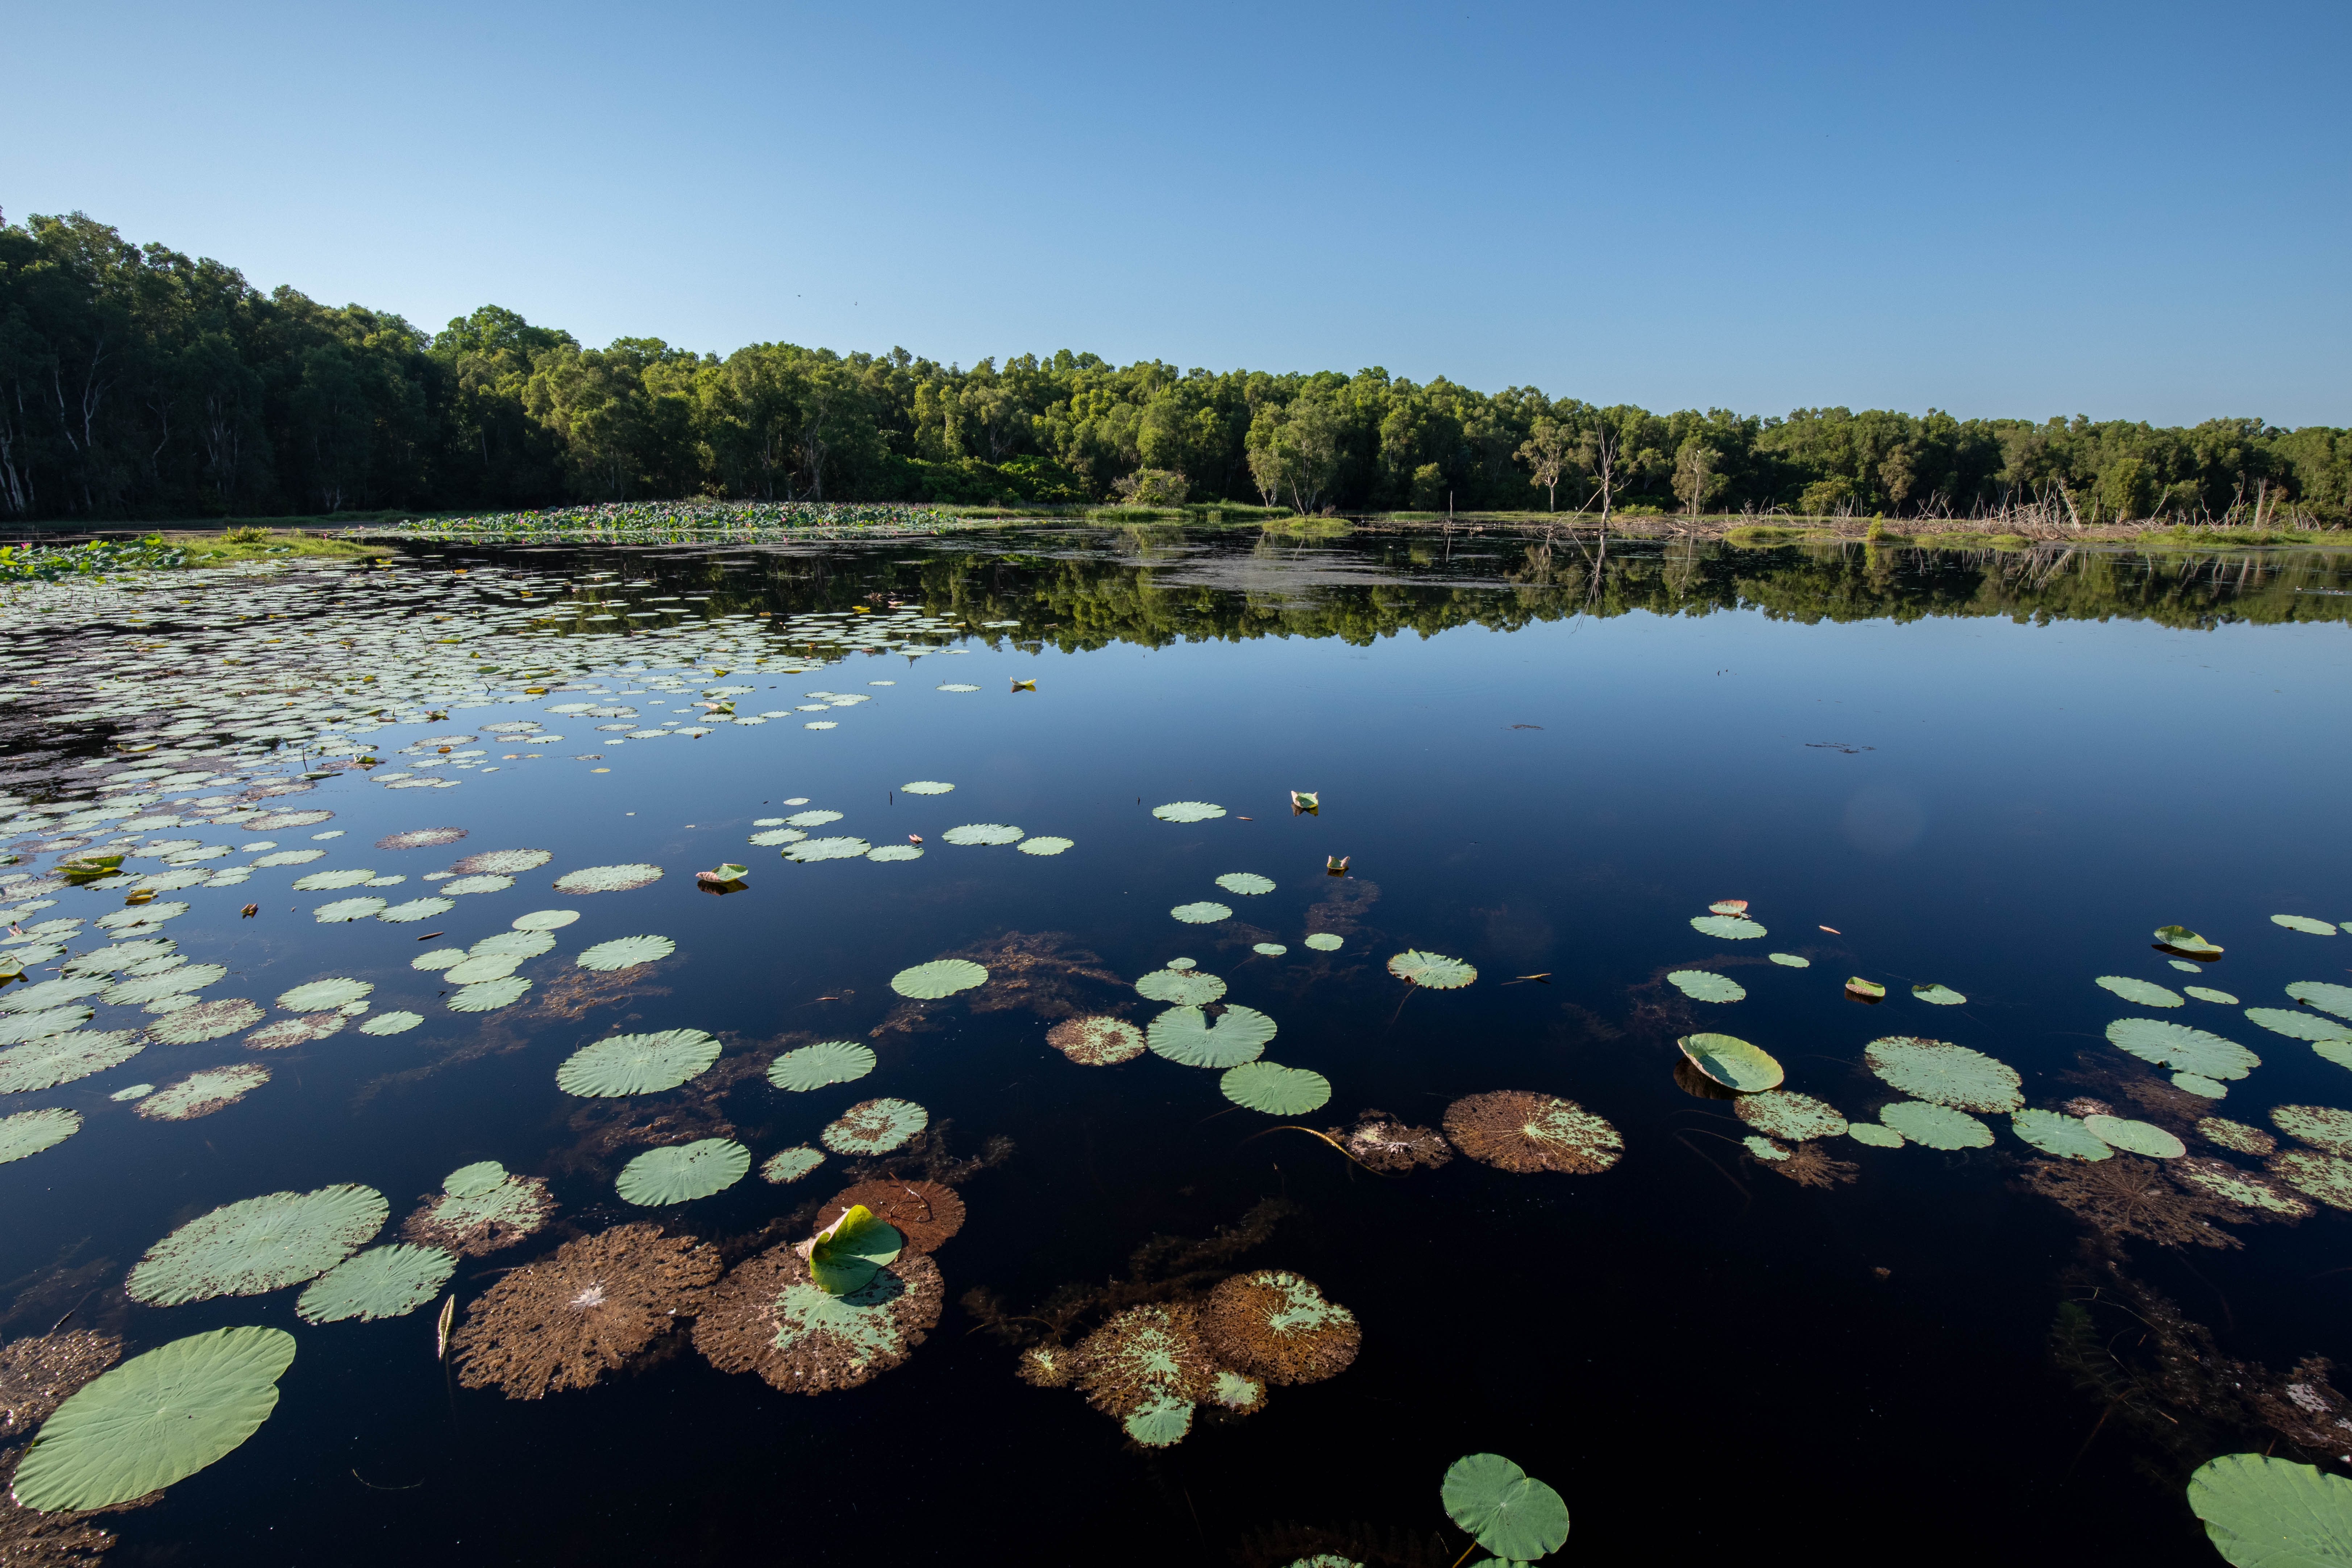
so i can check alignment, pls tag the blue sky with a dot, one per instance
(2124, 211)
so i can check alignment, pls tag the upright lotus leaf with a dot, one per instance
(1505, 1510)
(2265, 1512)
(1732, 1062)
(1246, 883)
(941, 977)
(1525, 1133)
(1863, 990)
(382, 1282)
(1202, 913)
(258, 1245)
(2146, 993)
(1938, 995)
(827, 1062)
(1187, 811)
(2323, 995)
(1785, 1113)
(156, 1419)
(321, 995)
(2322, 1125)
(1704, 985)
(77, 1053)
(1186, 1036)
(874, 1127)
(1727, 907)
(2134, 1137)
(1730, 928)
(1181, 987)
(1431, 971)
(1936, 1126)
(2297, 1026)
(1098, 1041)
(1945, 1073)
(627, 953)
(1276, 1090)
(608, 879)
(28, 1132)
(637, 1064)
(1278, 1326)
(2182, 939)
(2303, 924)
(2182, 1049)
(679, 1173)
(846, 1255)
(2054, 1132)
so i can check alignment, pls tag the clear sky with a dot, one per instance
(2129, 211)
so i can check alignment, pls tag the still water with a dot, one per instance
(1994, 774)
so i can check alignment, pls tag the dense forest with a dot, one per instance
(136, 384)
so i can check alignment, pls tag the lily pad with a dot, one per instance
(1945, 1073)
(1790, 961)
(810, 851)
(827, 1062)
(904, 851)
(637, 1064)
(1764, 1148)
(344, 910)
(2322, 1125)
(1246, 883)
(1096, 1041)
(544, 920)
(1503, 1508)
(2303, 924)
(415, 910)
(845, 1255)
(1326, 942)
(28, 1132)
(1276, 1090)
(619, 879)
(2207, 994)
(941, 977)
(1936, 1126)
(1181, 987)
(464, 885)
(627, 953)
(258, 1245)
(1785, 1113)
(2054, 1132)
(2323, 995)
(1730, 928)
(156, 1419)
(1704, 985)
(382, 1282)
(488, 995)
(1186, 1036)
(68, 1057)
(811, 818)
(317, 996)
(2181, 939)
(1045, 844)
(790, 1164)
(2324, 1176)
(982, 833)
(1732, 1062)
(682, 1172)
(1432, 971)
(1938, 995)
(2135, 1137)
(2182, 1049)
(392, 1023)
(2145, 993)
(1187, 811)
(1876, 1134)
(2299, 1025)
(924, 787)
(2266, 1512)
(875, 1127)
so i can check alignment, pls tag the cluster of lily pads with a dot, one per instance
(674, 522)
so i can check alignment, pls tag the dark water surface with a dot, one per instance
(1998, 774)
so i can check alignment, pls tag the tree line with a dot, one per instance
(136, 383)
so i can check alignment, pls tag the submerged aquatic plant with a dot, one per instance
(768, 1317)
(1275, 1325)
(257, 1245)
(1098, 1041)
(565, 1321)
(1516, 1131)
(2127, 1196)
(156, 1419)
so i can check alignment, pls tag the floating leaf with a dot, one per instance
(1703, 986)
(1507, 1510)
(1764, 1148)
(2145, 993)
(941, 977)
(392, 1023)
(202, 1093)
(2303, 924)
(636, 1064)
(28, 1132)
(258, 1245)
(1326, 942)
(875, 1127)
(1790, 961)
(1732, 1062)
(321, 881)
(1187, 811)
(1181, 987)
(1876, 1135)
(907, 851)
(811, 850)
(982, 833)
(39, 1026)
(2299, 1025)
(1276, 1090)
(682, 1172)
(1785, 1113)
(1045, 844)
(1938, 995)
(65, 1057)
(382, 1282)
(464, 885)
(1727, 907)
(1865, 990)
(1431, 971)
(791, 1165)
(1525, 1133)
(518, 945)
(2135, 1137)
(2055, 1133)
(1730, 928)
(775, 836)
(2328, 1128)
(846, 1255)
(1187, 1036)
(924, 787)
(344, 910)
(2265, 1512)
(2207, 994)
(1246, 883)
(156, 1419)
(1096, 1041)
(488, 995)
(1201, 914)
(2320, 993)
(627, 953)
(2182, 939)
(415, 910)
(2182, 1049)
(608, 879)
(1945, 1073)
(317, 996)
(827, 1062)
(1936, 1126)
(2324, 1176)
(545, 920)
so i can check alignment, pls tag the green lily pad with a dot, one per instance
(1181, 987)
(811, 850)
(415, 910)
(206, 1021)
(1201, 914)
(68, 1057)
(2207, 994)
(258, 1245)
(874, 1127)
(1785, 1113)
(636, 1064)
(2299, 1025)
(889, 852)
(790, 1164)
(1276, 1090)
(2265, 1512)
(516, 944)
(1326, 942)
(28, 1132)
(2303, 924)
(2185, 941)
(1503, 1508)
(1187, 811)
(1732, 1062)
(1704, 985)
(924, 787)
(973, 833)
(1186, 1036)
(619, 879)
(1945, 1073)
(19, 1026)
(1874, 1134)
(156, 1419)
(1268, 949)
(625, 953)
(488, 995)
(2322, 1125)
(1432, 971)
(1161, 1420)
(941, 977)
(814, 1067)
(1938, 995)
(2182, 1049)
(1246, 883)
(1937, 1126)
(2324, 1176)
(1045, 844)
(2145, 993)
(1730, 928)
(342, 911)
(319, 996)
(2135, 1137)
(321, 881)
(680, 1172)
(382, 1282)
(2196, 1083)
(2055, 1133)
(2323, 995)
(1790, 961)
(544, 920)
